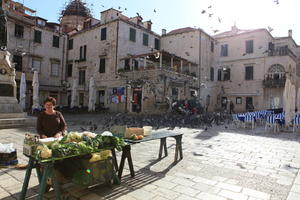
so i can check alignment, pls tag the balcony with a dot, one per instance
(274, 80)
(281, 51)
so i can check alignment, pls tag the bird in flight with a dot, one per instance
(119, 7)
(102, 6)
(210, 14)
(270, 29)
(219, 19)
(138, 14)
(209, 7)
(276, 1)
(203, 11)
(154, 10)
(125, 9)
(215, 31)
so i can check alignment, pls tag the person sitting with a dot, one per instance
(50, 123)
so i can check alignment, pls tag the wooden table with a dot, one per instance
(162, 135)
(48, 171)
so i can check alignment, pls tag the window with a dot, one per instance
(70, 44)
(135, 64)
(81, 98)
(41, 22)
(55, 41)
(212, 75)
(103, 33)
(156, 44)
(249, 73)
(102, 65)
(145, 39)
(69, 70)
(54, 69)
(224, 50)
(132, 34)
(81, 77)
(224, 74)
(238, 100)
(212, 46)
(18, 62)
(249, 46)
(37, 36)
(19, 31)
(36, 65)
(127, 65)
(82, 53)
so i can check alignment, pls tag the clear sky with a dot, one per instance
(173, 14)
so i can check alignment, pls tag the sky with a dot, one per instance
(174, 14)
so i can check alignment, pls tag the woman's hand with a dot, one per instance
(57, 135)
(43, 136)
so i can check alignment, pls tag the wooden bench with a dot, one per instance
(162, 135)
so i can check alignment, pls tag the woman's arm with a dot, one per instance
(39, 127)
(62, 126)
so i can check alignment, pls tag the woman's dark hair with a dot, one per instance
(50, 99)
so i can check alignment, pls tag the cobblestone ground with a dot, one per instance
(221, 163)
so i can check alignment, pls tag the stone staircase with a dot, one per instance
(16, 120)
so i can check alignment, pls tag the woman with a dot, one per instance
(50, 123)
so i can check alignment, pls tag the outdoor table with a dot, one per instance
(162, 135)
(48, 171)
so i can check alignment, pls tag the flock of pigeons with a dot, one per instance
(208, 11)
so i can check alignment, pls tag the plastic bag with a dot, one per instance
(7, 148)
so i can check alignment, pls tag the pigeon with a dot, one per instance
(219, 19)
(210, 14)
(270, 29)
(154, 10)
(138, 14)
(119, 7)
(102, 6)
(215, 31)
(209, 6)
(276, 1)
(203, 11)
(244, 54)
(82, 129)
(125, 9)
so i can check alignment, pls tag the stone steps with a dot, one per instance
(17, 122)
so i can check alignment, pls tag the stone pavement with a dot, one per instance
(218, 164)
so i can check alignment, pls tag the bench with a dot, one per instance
(162, 135)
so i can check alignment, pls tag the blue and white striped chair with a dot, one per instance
(271, 123)
(249, 120)
(296, 123)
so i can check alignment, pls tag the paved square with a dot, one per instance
(221, 163)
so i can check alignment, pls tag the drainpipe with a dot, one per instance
(199, 73)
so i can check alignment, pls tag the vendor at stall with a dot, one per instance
(50, 123)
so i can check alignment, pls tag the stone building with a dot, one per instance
(131, 73)
(138, 70)
(251, 67)
(35, 44)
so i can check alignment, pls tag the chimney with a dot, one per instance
(234, 29)
(147, 25)
(163, 31)
(290, 33)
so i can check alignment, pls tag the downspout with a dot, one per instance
(63, 78)
(199, 73)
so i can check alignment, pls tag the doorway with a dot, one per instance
(249, 104)
(101, 98)
(137, 100)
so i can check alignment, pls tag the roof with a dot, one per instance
(77, 8)
(236, 31)
(181, 30)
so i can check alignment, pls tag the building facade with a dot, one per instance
(137, 70)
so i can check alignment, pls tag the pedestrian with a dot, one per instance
(231, 108)
(50, 123)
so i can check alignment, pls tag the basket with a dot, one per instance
(8, 158)
(99, 172)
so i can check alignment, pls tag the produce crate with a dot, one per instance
(31, 141)
(8, 158)
(99, 172)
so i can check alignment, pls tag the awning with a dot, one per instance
(50, 88)
(241, 94)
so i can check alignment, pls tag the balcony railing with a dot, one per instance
(281, 51)
(274, 81)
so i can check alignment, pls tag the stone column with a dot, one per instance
(160, 60)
